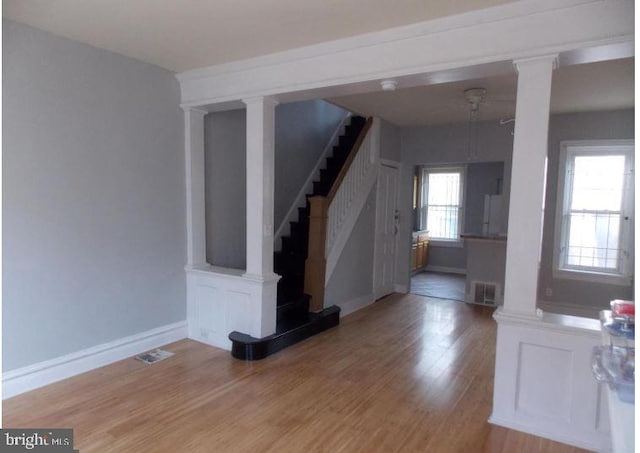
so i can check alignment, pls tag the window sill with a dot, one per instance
(594, 277)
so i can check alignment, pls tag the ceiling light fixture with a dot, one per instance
(389, 85)
(475, 97)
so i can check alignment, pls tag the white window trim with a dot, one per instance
(597, 147)
(459, 242)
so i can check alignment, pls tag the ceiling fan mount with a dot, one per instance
(475, 96)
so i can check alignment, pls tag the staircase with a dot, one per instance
(294, 321)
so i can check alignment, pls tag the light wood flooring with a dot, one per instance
(407, 374)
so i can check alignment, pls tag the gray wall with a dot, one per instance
(577, 126)
(353, 275)
(390, 141)
(303, 129)
(482, 179)
(445, 144)
(93, 197)
(225, 188)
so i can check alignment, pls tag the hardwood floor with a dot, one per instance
(407, 374)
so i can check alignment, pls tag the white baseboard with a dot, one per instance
(20, 380)
(355, 304)
(402, 289)
(447, 270)
(576, 442)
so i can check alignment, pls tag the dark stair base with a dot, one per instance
(246, 347)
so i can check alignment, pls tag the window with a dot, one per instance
(442, 202)
(594, 223)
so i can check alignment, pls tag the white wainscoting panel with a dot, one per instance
(221, 300)
(544, 385)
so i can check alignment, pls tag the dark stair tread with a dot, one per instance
(294, 322)
(246, 347)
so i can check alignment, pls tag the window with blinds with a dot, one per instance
(442, 202)
(595, 222)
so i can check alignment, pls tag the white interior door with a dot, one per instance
(386, 230)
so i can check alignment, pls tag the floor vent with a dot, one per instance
(484, 293)
(155, 356)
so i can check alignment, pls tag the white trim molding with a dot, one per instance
(353, 305)
(15, 382)
(497, 34)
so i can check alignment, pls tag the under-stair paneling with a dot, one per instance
(351, 285)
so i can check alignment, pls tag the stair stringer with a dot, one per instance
(352, 197)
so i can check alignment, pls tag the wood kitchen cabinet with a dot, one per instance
(419, 251)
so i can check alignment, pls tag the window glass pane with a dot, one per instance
(593, 240)
(442, 222)
(443, 204)
(444, 188)
(597, 183)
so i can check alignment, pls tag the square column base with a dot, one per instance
(221, 300)
(543, 381)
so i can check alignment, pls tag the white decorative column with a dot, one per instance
(543, 383)
(194, 178)
(260, 205)
(527, 184)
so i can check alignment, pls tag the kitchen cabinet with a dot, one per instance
(419, 251)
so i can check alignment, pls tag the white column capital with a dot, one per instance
(521, 63)
(266, 100)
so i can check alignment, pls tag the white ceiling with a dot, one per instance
(185, 34)
(578, 88)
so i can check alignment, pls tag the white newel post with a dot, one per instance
(194, 178)
(260, 205)
(527, 184)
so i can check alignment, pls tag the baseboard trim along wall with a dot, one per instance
(355, 304)
(403, 289)
(15, 382)
(447, 270)
(543, 433)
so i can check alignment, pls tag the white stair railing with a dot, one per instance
(350, 197)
